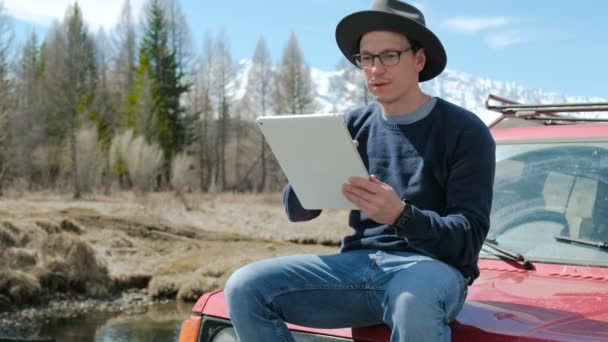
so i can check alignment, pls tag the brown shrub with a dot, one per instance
(63, 226)
(7, 239)
(50, 228)
(192, 289)
(162, 287)
(70, 227)
(52, 277)
(53, 282)
(133, 281)
(76, 260)
(11, 227)
(18, 258)
(20, 287)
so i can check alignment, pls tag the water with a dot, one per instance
(159, 323)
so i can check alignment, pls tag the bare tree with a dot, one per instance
(246, 142)
(27, 123)
(3, 146)
(103, 107)
(294, 91)
(54, 71)
(259, 83)
(70, 79)
(180, 36)
(202, 107)
(81, 78)
(125, 57)
(104, 113)
(223, 86)
(6, 39)
(350, 86)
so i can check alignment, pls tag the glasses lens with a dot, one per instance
(389, 58)
(364, 60)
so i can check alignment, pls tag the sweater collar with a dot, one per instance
(415, 116)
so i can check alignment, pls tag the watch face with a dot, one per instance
(404, 218)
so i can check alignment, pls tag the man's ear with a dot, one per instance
(420, 60)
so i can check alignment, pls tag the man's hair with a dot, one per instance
(414, 44)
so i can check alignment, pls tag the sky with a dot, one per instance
(555, 45)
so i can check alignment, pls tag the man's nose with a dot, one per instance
(377, 66)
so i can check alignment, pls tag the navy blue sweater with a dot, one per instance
(443, 165)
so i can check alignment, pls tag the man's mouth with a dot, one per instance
(379, 84)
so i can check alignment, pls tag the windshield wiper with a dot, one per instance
(598, 244)
(527, 264)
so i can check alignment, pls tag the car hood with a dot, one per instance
(506, 303)
(559, 303)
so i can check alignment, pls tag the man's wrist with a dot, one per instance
(404, 217)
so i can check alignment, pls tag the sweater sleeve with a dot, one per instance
(294, 209)
(456, 236)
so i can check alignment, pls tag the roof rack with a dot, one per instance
(544, 112)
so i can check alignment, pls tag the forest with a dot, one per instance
(138, 108)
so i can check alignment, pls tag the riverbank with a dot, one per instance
(126, 251)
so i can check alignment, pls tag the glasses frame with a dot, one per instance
(357, 57)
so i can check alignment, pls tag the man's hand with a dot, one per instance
(376, 199)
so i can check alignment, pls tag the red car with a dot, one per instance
(544, 265)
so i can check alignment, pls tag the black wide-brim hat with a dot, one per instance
(394, 16)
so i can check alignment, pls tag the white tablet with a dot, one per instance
(316, 154)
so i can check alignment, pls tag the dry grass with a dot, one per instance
(77, 261)
(18, 258)
(20, 287)
(176, 246)
(48, 263)
(193, 288)
(162, 287)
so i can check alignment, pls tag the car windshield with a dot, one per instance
(547, 190)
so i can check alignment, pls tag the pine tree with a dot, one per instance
(167, 86)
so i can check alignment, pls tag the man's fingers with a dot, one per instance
(356, 143)
(354, 195)
(375, 180)
(357, 191)
(365, 184)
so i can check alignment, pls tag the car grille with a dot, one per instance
(215, 329)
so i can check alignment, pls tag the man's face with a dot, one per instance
(391, 84)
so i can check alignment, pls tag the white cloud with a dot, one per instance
(475, 24)
(503, 39)
(96, 13)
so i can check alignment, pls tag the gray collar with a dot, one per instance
(415, 116)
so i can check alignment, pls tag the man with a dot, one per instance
(424, 212)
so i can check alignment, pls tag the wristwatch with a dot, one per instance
(405, 216)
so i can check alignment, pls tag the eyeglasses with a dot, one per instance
(387, 58)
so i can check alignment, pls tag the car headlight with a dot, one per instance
(225, 335)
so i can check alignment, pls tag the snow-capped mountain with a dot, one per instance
(464, 89)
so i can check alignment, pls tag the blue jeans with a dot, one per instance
(415, 295)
